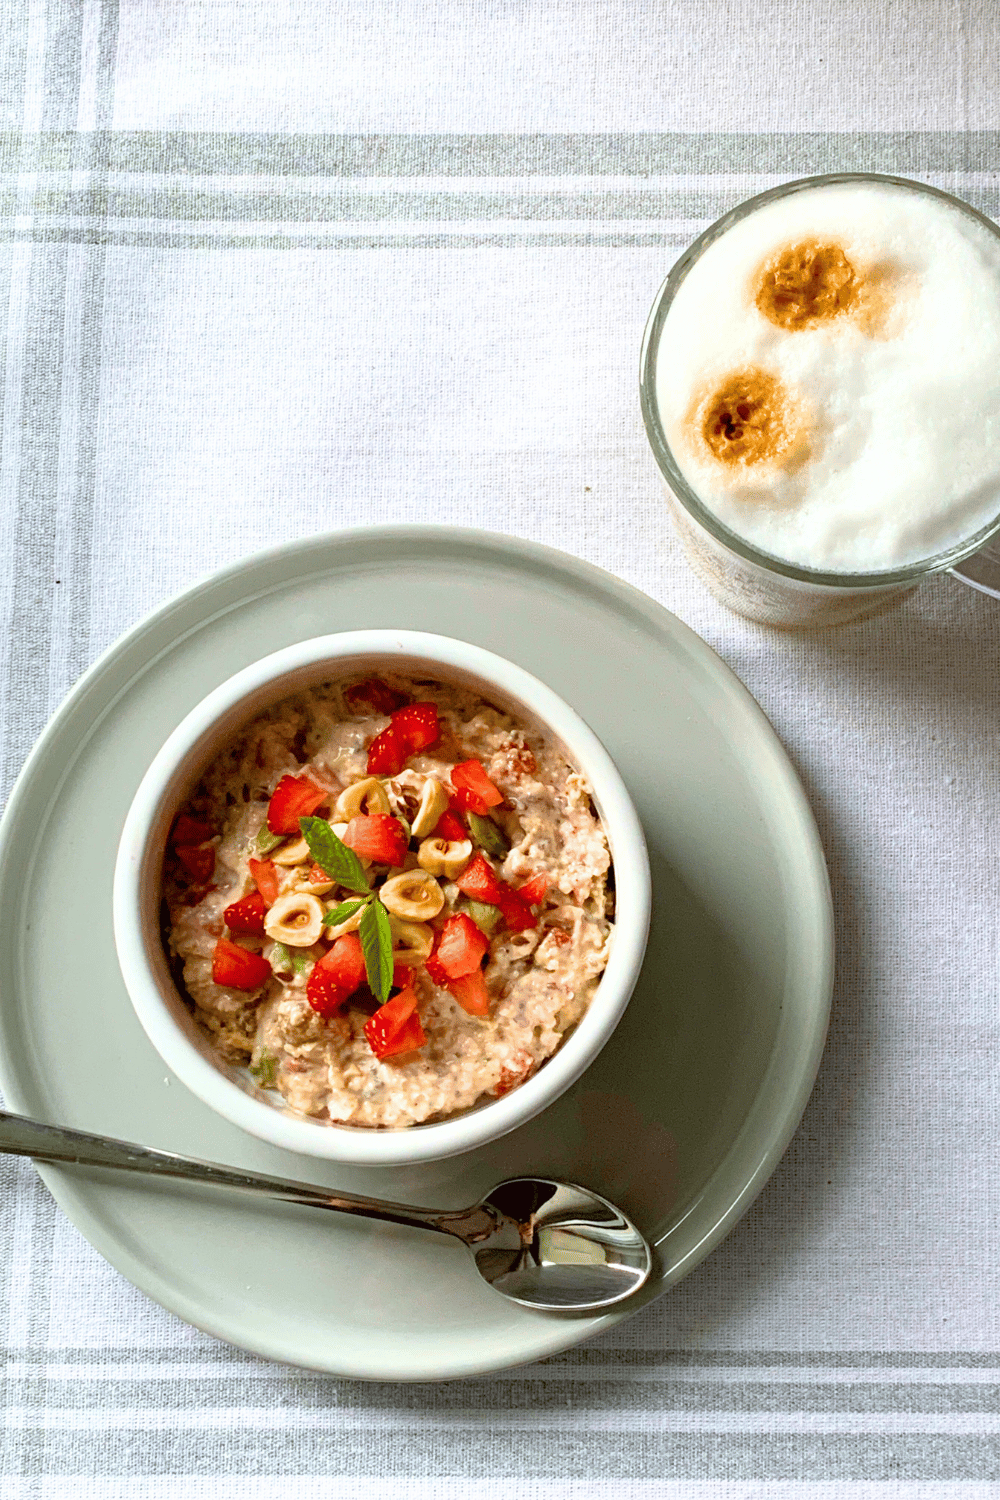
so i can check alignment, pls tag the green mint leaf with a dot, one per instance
(341, 913)
(333, 856)
(265, 1070)
(266, 840)
(299, 960)
(488, 836)
(376, 945)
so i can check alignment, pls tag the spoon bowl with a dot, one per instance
(549, 1245)
(576, 1253)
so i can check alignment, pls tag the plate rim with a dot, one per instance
(68, 1188)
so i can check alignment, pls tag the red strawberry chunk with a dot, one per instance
(316, 875)
(480, 881)
(534, 890)
(436, 972)
(293, 798)
(451, 827)
(199, 863)
(409, 1038)
(265, 872)
(465, 801)
(238, 969)
(345, 962)
(395, 1027)
(375, 694)
(417, 725)
(387, 753)
(247, 915)
(469, 776)
(516, 913)
(323, 993)
(471, 993)
(378, 837)
(461, 946)
(188, 830)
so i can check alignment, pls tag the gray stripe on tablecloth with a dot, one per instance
(629, 153)
(63, 37)
(282, 240)
(24, 692)
(500, 1398)
(58, 434)
(336, 206)
(586, 1357)
(77, 513)
(490, 1448)
(13, 60)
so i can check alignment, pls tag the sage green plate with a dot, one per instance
(682, 1118)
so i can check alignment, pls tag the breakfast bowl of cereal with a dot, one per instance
(381, 897)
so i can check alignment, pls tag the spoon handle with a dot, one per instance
(20, 1136)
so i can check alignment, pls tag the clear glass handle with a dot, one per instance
(982, 570)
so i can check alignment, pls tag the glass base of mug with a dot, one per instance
(770, 598)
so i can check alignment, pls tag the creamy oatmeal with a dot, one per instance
(389, 900)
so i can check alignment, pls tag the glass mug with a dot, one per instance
(754, 583)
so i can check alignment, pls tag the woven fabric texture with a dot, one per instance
(272, 270)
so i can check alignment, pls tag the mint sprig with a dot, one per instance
(333, 856)
(341, 913)
(376, 945)
(342, 865)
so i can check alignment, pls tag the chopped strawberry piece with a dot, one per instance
(534, 890)
(480, 881)
(293, 798)
(510, 1078)
(316, 875)
(402, 974)
(199, 862)
(436, 972)
(516, 913)
(470, 777)
(417, 725)
(247, 915)
(465, 801)
(188, 830)
(373, 693)
(378, 837)
(236, 968)
(395, 1027)
(265, 872)
(461, 946)
(323, 993)
(387, 753)
(410, 1037)
(345, 962)
(471, 993)
(451, 827)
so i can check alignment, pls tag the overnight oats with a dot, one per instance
(389, 900)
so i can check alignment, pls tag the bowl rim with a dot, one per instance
(175, 765)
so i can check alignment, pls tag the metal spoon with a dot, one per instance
(545, 1244)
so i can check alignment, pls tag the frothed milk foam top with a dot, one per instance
(828, 377)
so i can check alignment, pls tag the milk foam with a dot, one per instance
(900, 458)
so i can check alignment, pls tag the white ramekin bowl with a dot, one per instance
(166, 1018)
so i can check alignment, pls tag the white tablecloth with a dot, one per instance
(272, 269)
